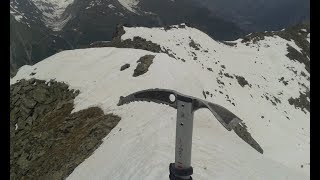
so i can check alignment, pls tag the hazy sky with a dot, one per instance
(260, 14)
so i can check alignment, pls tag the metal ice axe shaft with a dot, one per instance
(186, 105)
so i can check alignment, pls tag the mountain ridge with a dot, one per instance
(82, 22)
(252, 77)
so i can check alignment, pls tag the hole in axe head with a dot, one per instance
(172, 97)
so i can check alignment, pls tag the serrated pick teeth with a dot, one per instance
(129, 99)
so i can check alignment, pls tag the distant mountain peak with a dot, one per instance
(131, 5)
(53, 12)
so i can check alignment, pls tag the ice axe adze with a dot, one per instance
(186, 105)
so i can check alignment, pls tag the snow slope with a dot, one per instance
(144, 147)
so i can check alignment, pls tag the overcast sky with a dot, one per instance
(260, 14)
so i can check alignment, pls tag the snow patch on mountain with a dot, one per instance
(246, 79)
(52, 11)
(18, 17)
(94, 3)
(131, 5)
(111, 6)
(15, 12)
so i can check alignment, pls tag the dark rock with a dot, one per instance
(229, 43)
(124, 67)
(27, 88)
(204, 94)
(283, 81)
(295, 55)
(100, 44)
(228, 75)
(301, 102)
(77, 92)
(14, 99)
(49, 100)
(136, 43)
(21, 124)
(29, 121)
(303, 74)
(143, 65)
(39, 94)
(242, 81)
(194, 45)
(28, 102)
(220, 82)
(16, 89)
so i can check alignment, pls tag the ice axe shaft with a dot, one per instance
(184, 127)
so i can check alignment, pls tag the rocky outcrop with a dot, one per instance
(125, 66)
(47, 141)
(242, 81)
(297, 33)
(301, 102)
(143, 66)
(136, 43)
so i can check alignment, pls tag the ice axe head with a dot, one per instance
(171, 98)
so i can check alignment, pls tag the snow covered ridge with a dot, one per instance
(189, 44)
(257, 82)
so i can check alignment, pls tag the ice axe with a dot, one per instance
(181, 169)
